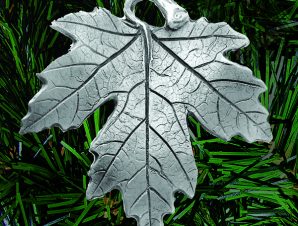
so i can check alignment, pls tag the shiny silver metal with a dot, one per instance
(156, 76)
(175, 15)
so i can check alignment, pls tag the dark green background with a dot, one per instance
(43, 176)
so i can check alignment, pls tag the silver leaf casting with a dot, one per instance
(156, 76)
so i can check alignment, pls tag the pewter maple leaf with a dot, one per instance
(156, 76)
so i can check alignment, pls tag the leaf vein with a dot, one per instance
(175, 155)
(201, 77)
(99, 29)
(88, 80)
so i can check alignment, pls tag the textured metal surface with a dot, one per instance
(156, 76)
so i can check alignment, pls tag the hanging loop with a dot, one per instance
(175, 15)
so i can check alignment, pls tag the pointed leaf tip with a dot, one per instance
(157, 76)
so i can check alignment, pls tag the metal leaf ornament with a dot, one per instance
(156, 76)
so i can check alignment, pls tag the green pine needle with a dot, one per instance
(43, 176)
